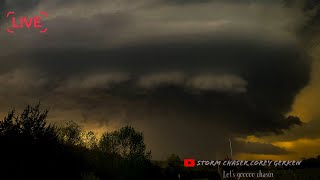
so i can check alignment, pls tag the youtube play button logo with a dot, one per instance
(189, 162)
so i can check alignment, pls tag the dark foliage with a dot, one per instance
(33, 149)
(30, 149)
(311, 162)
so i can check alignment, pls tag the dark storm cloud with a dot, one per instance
(18, 5)
(309, 130)
(189, 79)
(270, 76)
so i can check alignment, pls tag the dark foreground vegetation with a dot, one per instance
(30, 148)
(33, 149)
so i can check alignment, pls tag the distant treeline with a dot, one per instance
(31, 148)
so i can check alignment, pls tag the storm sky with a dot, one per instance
(189, 74)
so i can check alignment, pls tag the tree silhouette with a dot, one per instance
(126, 142)
(71, 133)
(33, 149)
(8, 127)
(110, 142)
(30, 127)
(89, 139)
(173, 168)
(29, 146)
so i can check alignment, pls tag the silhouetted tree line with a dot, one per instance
(313, 162)
(30, 148)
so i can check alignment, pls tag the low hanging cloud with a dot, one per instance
(161, 79)
(94, 81)
(20, 80)
(220, 83)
